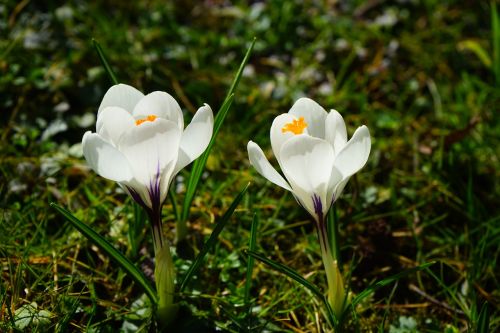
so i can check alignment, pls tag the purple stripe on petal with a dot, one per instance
(318, 206)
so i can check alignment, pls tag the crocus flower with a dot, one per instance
(313, 152)
(140, 141)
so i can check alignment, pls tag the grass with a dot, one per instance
(416, 73)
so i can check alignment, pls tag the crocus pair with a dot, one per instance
(140, 142)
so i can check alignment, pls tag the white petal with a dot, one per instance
(195, 137)
(121, 95)
(335, 131)
(160, 104)
(340, 188)
(307, 163)
(105, 159)
(151, 149)
(355, 153)
(313, 114)
(278, 137)
(112, 122)
(262, 165)
(335, 179)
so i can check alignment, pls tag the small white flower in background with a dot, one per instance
(140, 141)
(313, 152)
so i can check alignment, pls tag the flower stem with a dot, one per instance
(164, 272)
(336, 292)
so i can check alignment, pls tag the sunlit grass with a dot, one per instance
(428, 193)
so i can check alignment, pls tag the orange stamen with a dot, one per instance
(296, 126)
(151, 117)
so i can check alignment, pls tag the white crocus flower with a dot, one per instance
(140, 142)
(317, 160)
(313, 152)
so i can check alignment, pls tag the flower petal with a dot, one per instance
(105, 159)
(313, 114)
(335, 131)
(112, 122)
(355, 153)
(307, 163)
(151, 150)
(278, 137)
(335, 179)
(195, 137)
(162, 105)
(262, 165)
(121, 95)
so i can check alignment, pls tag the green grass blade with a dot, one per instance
(292, 274)
(199, 164)
(113, 253)
(384, 282)
(251, 260)
(104, 62)
(333, 233)
(495, 27)
(212, 239)
(135, 229)
(483, 321)
(171, 197)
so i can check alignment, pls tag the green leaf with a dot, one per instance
(104, 62)
(384, 282)
(199, 164)
(250, 263)
(292, 274)
(495, 27)
(332, 224)
(113, 253)
(135, 229)
(483, 322)
(212, 239)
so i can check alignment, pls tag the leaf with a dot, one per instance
(212, 239)
(477, 49)
(199, 164)
(250, 263)
(292, 274)
(104, 62)
(483, 321)
(495, 27)
(113, 253)
(384, 282)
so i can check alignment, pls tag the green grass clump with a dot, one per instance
(423, 76)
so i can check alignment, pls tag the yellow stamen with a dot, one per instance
(151, 117)
(296, 126)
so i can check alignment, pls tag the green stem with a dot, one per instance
(336, 292)
(164, 273)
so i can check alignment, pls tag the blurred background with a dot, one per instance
(423, 75)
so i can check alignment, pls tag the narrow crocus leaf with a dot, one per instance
(292, 274)
(212, 239)
(251, 246)
(104, 62)
(384, 282)
(483, 321)
(199, 164)
(113, 253)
